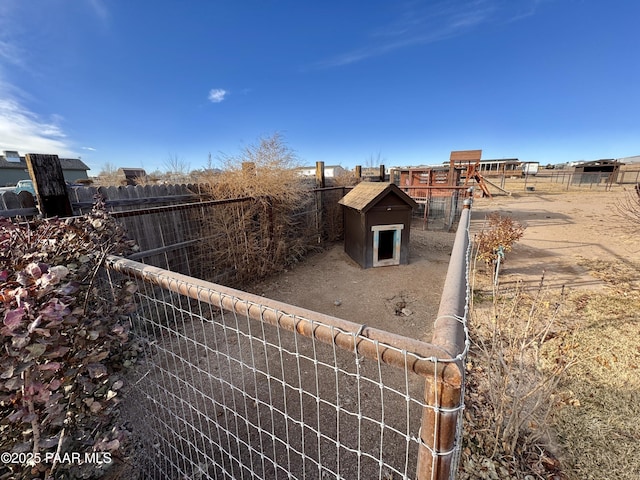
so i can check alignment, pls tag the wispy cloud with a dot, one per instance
(420, 23)
(217, 95)
(91, 149)
(10, 53)
(26, 132)
(22, 128)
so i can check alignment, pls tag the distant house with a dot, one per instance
(13, 168)
(330, 171)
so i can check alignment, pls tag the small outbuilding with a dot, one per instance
(377, 224)
(597, 171)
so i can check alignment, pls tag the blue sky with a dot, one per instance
(138, 83)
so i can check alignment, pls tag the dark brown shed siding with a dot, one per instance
(354, 231)
(370, 206)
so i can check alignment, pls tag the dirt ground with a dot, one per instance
(581, 243)
(565, 231)
(400, 299)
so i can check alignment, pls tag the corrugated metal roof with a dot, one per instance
(366, 194)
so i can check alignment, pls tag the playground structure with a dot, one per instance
(469, 160)
(463, 171)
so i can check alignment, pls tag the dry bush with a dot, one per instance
(265, 170)
(513, 379)
(346, 178)
(499, 236)
(108, 176)
(629, 208)
(559, 371)
(265, 234)
(66, 345)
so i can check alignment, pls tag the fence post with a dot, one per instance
(383, 176)
(320, 175)
(320, 183)
(439, 428)
(358, 172)
(48, 179)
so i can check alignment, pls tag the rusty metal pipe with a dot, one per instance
(444, 397)
(448, 332)
(371, 342)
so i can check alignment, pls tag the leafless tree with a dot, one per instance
(375, 161)
(108, 175)
(629, 208)
(177, 168)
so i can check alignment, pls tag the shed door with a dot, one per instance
(387, 240)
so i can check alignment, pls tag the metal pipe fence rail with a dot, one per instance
(234, 385)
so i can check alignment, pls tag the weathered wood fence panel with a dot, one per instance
(49, 184)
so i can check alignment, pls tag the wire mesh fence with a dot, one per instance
(439, 207)
(233, 385)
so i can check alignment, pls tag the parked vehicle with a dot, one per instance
(25, 186)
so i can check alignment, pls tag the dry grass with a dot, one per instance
(512, 381)
(591, 415)
(600, 432)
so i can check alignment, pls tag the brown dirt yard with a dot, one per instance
(566, 233)
(330, 282)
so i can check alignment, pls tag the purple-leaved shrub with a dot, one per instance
(65, 344)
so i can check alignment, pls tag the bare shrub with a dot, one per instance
(346, 178)
(512, 383)
(265, 169)
(498, 238)
(629, 208)
(272, 230)
(108, 176)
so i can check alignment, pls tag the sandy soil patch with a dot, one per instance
(565, 233)
(401, 299)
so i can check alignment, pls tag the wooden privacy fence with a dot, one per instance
(233, 241)
(234, 385)
(439, 213)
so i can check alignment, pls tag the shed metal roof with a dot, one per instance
(366, 194)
